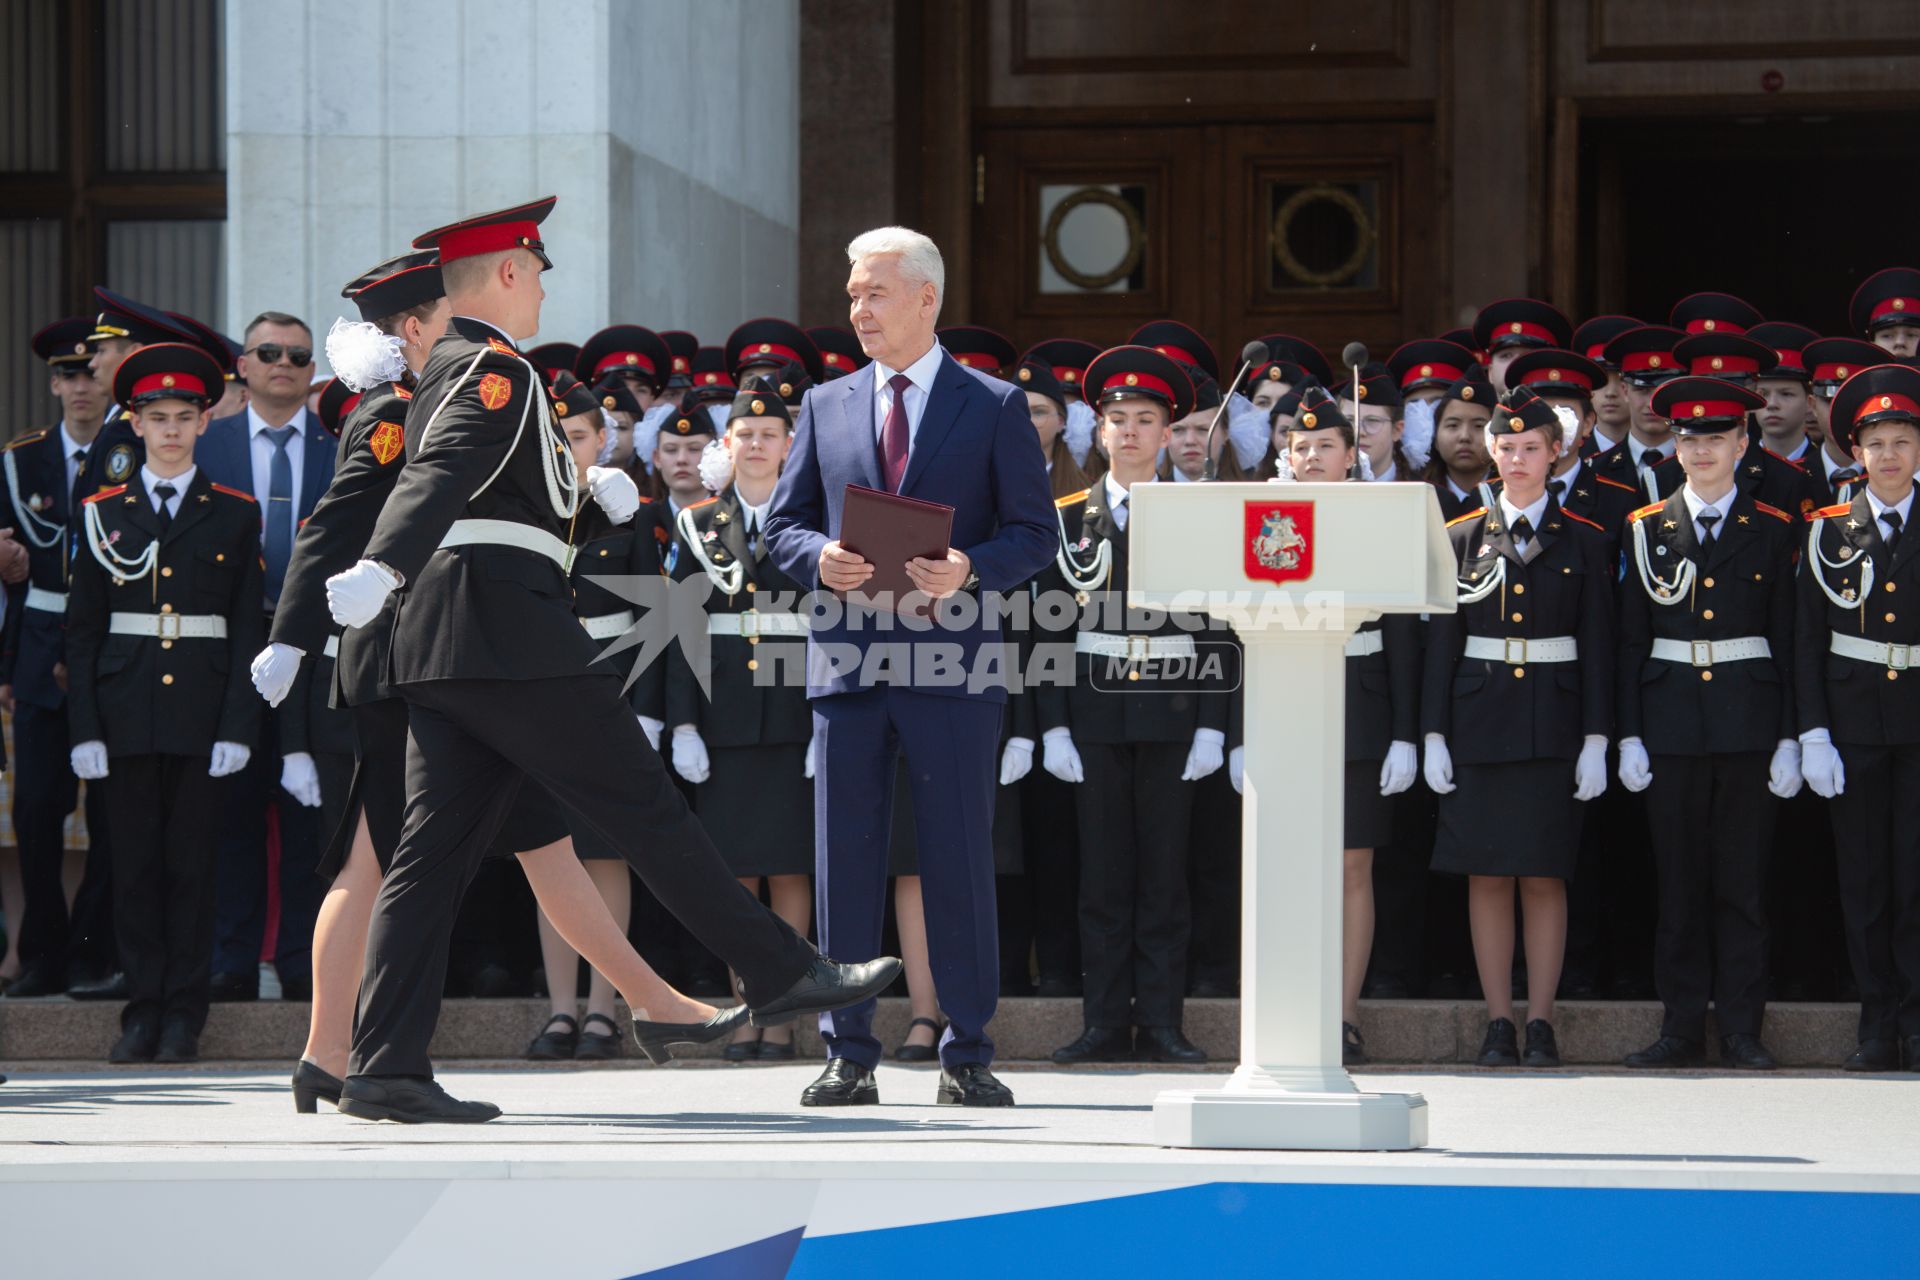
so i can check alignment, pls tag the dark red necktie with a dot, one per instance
(893, 436)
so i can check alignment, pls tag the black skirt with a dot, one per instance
(903, 845)
(1510, 820)
(379, 785)
(1368, 821)
(757, 804)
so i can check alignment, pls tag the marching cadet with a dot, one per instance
(1706, 721)
(1645, 359)
(1859, 705)
(163, 613)
(631, 353)
(1568, 381)
(1129, 737)
(746, 740)
(1830, 362)
(1609, 398)
(1740, 360)
(1047, 402)
(40, 476)
(1506, 329)
(978, 347)
(762, 347)
(1886, 308)
(1518, 683)
(839, 349)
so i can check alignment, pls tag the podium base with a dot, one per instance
(1276, 1120)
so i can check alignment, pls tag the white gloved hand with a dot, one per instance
(615, 491)
(1237, 769)
(1820, 764)
(1059, 757)
(1636, 771)
(1208, 753)
(89, 760)
(808, 768)
(300, 778)
(1397, 770)
(1783, 773)
(1439, 765)
(1590, 770)
(690, 754)
(1016, 762)
(652, 728)
(228, 757)
(354, 596)
(274, 668)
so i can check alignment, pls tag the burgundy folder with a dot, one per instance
(888, 530)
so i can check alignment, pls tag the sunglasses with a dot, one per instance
(270, 353)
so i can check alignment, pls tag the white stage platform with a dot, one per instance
(604, 1174)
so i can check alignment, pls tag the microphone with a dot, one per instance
(1253, 353)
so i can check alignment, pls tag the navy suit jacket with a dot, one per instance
(975, 451)
(225, 452)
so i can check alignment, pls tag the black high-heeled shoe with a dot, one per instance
(910, 1052)
(656, 1038)
(310, 1084)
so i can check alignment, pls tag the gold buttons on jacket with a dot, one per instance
(1889, 617)
(1706, 675)
(166, 571)
(753, 664)
(1889, 586)
(1519, 673)
(751, 588)
(167, 679)
(1519, 617)
(166, 608)
(1519, 588)
(1893, 675)
(1708, 583)
(1707, 614)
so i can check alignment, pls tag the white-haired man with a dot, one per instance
(918, 423)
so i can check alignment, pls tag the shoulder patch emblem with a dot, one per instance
(386, 441)
(235, 493)
(119, 463)
(1775, 512)
(1071, 498)
(1475, 514)
(1644, 512)
(106, 493)
(495, 391)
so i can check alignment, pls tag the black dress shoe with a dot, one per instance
(827, 986)
(971, 1084)
(1353, 1050)
(1668, 1052)
(409, 1100)
(1057, 987)
(742, 1051)
(774, 1050)
(1097, 1044)
(656, 1039)
(908, 1052)
(555, 1044)
(310, 1085)
(139, 1040)
(112, 987)
(228, 988)
(597, 1046)
(37, 979)
(1166, 1044)
(844, 1083)
(1501, 1048)
(1746, 1052)
(296, 989)
(1874, 1055)
(1542, 1050)
(178, 1042)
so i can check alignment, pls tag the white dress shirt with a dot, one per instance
(1534, 513)
(1566, 481)
(261, 445)
(179, 483)
(1117, 497)
(1602, 441)
(920, 375)
(1904, 507)
(1388, 476)
(1640, 451)
(1718, 505)
(68, 448)
(753, 517)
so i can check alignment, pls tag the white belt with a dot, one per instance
(1896, 657)
(1364, 644)
(332, 648)
(1516, 652)
(508, 533)
(1707, 653)
(608, 626)
(169, 626)
(46, 601)
(1133, 648)
(755, 623)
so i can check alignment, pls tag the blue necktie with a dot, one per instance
(279, 534)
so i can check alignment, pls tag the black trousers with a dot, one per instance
(241, 908)
(1803, 894)
(1051, 853)
(1135, 919)
(44, 793)
(1876, 834)
(1709, 817)
(1213, 879)
(163, 880)
(469, 745)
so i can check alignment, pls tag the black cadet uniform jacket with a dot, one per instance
(1495, 712)
(149, 694)
(34, 500)
(629, 550)
(1599, 499)
(1760, 474)
(480, 612)
(1743, 588)
(1857, 701)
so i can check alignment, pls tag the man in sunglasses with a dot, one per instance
(276, 450)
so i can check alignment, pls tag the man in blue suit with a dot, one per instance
(278, 452)
(918, 423)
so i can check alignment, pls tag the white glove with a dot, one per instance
(1820, 764)
(300, 778)
(652, 728)
(89, 760)
(1439, 770)
(1397, 770)
(1590, 770)
(1016, 762)
(1237, 769)
(1208, 753)
(1058, 756)
(615, 491)
(354, 597)
(1783, 774)
(808, 769)
(274, 668)
(690, 754)
(228, 757)
(1636, 771)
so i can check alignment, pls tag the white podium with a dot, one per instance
(1295, 568)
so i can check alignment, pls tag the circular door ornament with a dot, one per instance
(1136, 238)
(1361, 229)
